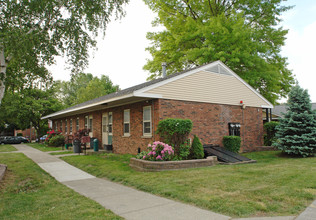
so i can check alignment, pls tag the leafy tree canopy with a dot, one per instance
(244, 34)
(28, 106)
(33, 32)
(83, 87)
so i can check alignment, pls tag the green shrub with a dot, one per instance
(19, 134)
(270, 128)
(142, 154)
(184, 152)
(232, 143)
(56, 141)
(174, 132)
(196, 151)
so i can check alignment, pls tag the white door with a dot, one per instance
(90, 122)
(105, 133)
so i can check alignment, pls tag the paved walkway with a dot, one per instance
(127, 202)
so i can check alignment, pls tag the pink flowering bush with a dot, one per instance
(157, 151)
(51, 134)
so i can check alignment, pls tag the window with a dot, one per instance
(234, 129)
(86, 118)
(66, 127)
(61, 126)
(110, 123)
(77, 124)
(90, 123)
(126, 122)
(70, 126)
(147, 121)
(56, 125)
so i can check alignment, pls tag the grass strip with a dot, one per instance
(43, 147)
(7, 148)
(274, 186)
(27, 192)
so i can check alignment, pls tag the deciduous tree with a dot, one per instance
(83, 87)
(33, 32)
(244, 34)
(27, 107)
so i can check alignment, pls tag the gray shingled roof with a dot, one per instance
(279, 109)
(125, 91)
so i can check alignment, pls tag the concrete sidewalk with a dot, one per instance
(127, 202)
(123, 201)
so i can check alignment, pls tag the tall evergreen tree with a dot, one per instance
(296, 132)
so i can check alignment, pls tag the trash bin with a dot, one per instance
(95, 145)
(76, 145)
(66, 146)
(91, 142)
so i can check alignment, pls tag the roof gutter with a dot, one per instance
(87, 106)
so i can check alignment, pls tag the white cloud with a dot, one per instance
(300, 49)
(121, 54)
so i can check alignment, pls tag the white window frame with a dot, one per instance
(110, 124)
(61, 125)
(70, 126)
(66, 126)
(90, 123)
(77, 124)
(86, 122)
(150, 121)
(56, 126)
(125, 121)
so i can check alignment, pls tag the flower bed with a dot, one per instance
(152, 166)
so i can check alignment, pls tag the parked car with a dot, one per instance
(10, 140)
(22, 139)
(42, 139)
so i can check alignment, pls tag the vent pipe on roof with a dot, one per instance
(164, 67)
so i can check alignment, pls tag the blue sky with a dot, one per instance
(121, 54)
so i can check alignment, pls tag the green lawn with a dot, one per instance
(27, 192)
(43, 147)
(61, 153)
(7, 148)
(273, 186)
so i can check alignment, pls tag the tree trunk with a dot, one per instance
(3, 72)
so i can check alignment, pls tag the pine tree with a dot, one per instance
(296, 132)
(196, 151)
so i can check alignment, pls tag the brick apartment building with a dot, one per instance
(216, 99)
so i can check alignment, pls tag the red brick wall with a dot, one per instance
(136, 140)
(210, 121)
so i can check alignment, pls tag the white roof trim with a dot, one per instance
(142, 92)
(266, 106)
(202, 68)
(147, 95)
(88, 106)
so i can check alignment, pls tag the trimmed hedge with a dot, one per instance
(270, 128)
(174, 131)
(232, 143)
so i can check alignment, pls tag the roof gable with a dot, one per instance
(217, 75)
(145, 90)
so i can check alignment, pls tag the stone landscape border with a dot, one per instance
(153, 166)
(3, 168)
